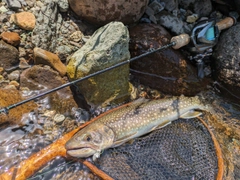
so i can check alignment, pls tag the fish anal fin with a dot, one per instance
(123, 139)
(190, 114)
(131, 141)
(161, 125)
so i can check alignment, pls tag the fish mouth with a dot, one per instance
(82, 152)
(75, 149)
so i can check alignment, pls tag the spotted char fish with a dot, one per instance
(130, 121)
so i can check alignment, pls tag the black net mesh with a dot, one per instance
(183, 150)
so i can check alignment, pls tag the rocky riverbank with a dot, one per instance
(45, 44)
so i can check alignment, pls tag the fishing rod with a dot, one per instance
(6, 109)
(176, 42)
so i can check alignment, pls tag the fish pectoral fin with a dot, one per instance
(190, 114)
(123, 140)
(161, 125)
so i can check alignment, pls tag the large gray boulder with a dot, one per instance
(106, 47)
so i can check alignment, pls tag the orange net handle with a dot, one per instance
(96, 171)
(218, 151)
(36, 161)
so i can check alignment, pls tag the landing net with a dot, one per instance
(183, 150)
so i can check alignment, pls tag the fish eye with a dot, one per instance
(88, 138)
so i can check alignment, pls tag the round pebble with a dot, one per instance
(1, 78)
(10, 87)
(24, 20)
(76, 36)
(14, 76)
(39, 4)
(15, 83)
(192, 18)
(59, 118)
(1, 70)
(49, 113)
(11, 38)
(3, 9)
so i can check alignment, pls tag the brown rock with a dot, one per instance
(11, 38)
(24, 20)
(9, 97)
(1, 70)
(45, 78)
(8, 55)
(47, 58)
(166, 70)
(23, 64)
(10, 87)
(14, 83)
(102, 12)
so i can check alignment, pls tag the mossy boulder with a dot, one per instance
(106, 47)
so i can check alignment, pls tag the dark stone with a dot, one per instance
(237, 3)
(203, 7)
(226, 6)
(170, 5)
(9, 55)
(3, 18)
(14, 4)
(227, 60)
(171, 22)
(200, 7)
(166, 70)
(45, 78)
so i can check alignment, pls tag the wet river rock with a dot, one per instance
(166, 70)
(9, 55)
(227, 59)
(9, 97)
(11, 38)
(106, 47)
(44, 78)
(42, 56)
(103, 12)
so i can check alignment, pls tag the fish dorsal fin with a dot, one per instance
(123, 139)
(190, 114)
